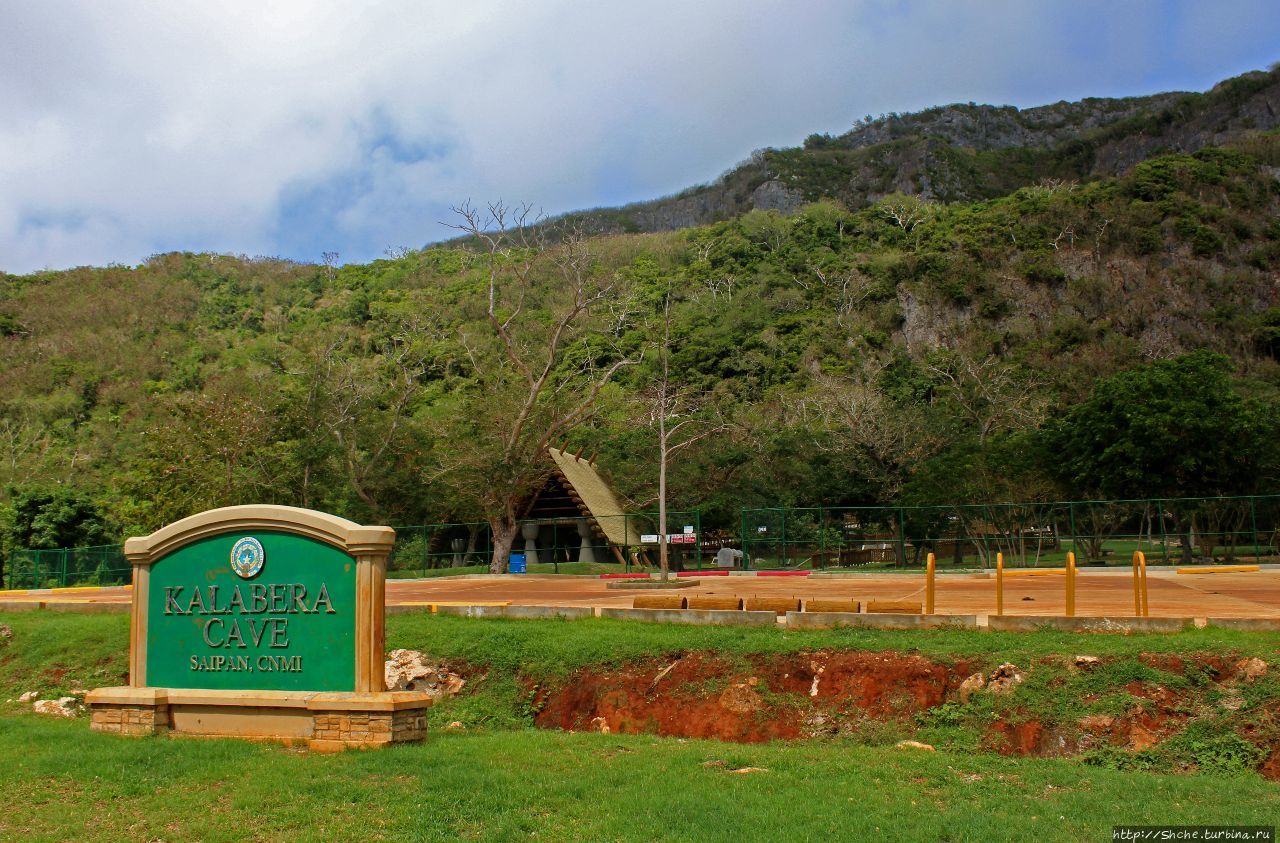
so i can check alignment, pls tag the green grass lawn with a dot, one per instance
(53, 652)
(501, 779)
(59, 781)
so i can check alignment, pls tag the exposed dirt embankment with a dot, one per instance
(750, 699)
(1184, 712)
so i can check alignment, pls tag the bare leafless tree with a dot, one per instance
(682, 417)
(907, 212)
(543, 300)
(882, 435)
(991, 393)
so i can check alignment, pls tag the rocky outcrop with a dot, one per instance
(410, 670)
(773, 195)
(1250, 669)
(61, 707)
(1004, 679)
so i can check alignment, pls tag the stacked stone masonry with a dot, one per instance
(130, 719)
(337, 729)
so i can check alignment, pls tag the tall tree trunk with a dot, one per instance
(473, 535)
(664, 557)
(664, 553)
(1188, 538)
(504, 531)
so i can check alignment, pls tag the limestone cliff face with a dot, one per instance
(1002, 127)
(964, 152)
(773, 195)
(1216, 125)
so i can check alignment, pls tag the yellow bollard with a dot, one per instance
(1138, 561)
(1071, 584)
(999, 584)
(1146, 610)
(928, 585)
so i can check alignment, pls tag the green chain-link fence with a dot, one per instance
(607, 544)
(622, 543)
(68, 566)
(1170, 531)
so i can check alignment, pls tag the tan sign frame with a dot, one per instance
(369, 716)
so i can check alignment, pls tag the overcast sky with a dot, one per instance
(292, 128)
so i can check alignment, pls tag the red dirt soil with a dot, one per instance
(752, 699)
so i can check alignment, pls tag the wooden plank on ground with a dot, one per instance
(897, 607)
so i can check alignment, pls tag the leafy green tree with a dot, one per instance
(56, 517)
(1173, 428)
(214, 448)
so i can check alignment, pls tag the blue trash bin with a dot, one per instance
(515, 563)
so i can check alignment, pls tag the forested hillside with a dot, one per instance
(908, 350)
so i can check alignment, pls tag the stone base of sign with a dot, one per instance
(131, 720)
(320, 720)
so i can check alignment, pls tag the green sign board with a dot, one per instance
(260, 610)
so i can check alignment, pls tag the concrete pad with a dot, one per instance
(697, 617)
(1246, 624)
(87, 608)
(522, 612)
(1025, 623)
(831, 620)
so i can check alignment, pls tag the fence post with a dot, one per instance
(1164, 538)
(902, 539)
(1071, 583)
(1071, 515)
(63, 579)
(822, 537)
(426, 549)
(999, 584)
(986, 532)
(697, 537)
(929, 584)
(742, 539)
(1253, 523)
(782, 563)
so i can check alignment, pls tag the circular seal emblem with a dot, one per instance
(247, 557)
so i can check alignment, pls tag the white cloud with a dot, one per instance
(296, 126)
